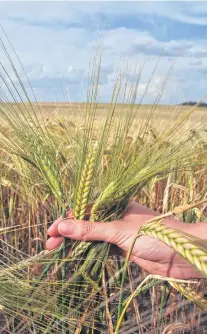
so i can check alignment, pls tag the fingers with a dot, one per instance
(53, 229)
(83, 230)
(53, 243)
(88, 231)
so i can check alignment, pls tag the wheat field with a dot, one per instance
(27, 209)
(57, 157)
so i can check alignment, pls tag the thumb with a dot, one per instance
(88, 231)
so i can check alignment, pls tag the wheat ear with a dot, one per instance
(190, 294)
(84, 186)
(43, 160)
(181, 242)
(82, 198)
(79, 248)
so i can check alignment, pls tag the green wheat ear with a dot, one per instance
(84, 186)
(190, 294)
(83, 197)
(183, 243)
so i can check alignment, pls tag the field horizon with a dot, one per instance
(160, 111)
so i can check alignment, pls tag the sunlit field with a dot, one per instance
(161, 112)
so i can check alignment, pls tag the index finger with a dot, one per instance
(53, 229)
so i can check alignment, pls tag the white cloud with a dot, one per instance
(54, 56)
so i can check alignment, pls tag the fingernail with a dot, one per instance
(66, 228)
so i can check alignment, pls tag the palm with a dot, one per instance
(149, 253)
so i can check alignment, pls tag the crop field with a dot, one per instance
(160, 112)
(93, 160)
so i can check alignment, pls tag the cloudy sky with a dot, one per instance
(55, 42)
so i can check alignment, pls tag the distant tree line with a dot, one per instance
(192, 103)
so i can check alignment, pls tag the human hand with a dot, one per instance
(149, 253)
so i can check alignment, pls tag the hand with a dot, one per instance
(151, 254)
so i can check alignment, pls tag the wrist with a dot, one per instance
(198, 230)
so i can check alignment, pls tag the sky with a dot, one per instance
(56, 42)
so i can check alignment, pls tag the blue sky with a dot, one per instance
(55, 42)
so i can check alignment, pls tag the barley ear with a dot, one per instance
(190, 294)
(183, 243)
(84, 186)
(82, 199)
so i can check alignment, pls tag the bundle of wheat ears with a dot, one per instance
(102, 164)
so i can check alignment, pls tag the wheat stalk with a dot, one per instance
(183, 243)
(155, 279)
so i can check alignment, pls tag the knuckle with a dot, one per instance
(86, 229)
